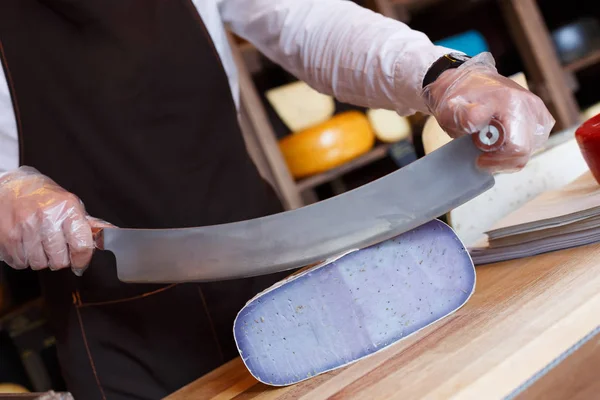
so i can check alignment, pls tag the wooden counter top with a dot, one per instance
(523, 315)
(574, 377)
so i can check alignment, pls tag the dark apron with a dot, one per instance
(126, 104)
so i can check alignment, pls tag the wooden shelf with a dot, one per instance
(377, 153)
(584, 62)
(252, 57)
(533, 41)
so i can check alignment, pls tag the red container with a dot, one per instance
(588, 139)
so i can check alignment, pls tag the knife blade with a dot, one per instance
(377, 211)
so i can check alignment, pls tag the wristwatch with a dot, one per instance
(451, 60)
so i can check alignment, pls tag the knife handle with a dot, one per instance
(490, 138)
(98, 235)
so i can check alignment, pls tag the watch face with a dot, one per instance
(459, 57)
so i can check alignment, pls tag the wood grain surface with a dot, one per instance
(574, 378)
(523, 315)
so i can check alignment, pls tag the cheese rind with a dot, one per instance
(354, 306)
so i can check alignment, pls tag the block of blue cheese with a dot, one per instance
(353, 306)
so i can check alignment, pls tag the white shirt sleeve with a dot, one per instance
(339, 48)
(9, 140)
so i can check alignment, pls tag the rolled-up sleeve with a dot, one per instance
(339, 48)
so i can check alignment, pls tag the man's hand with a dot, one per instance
(42, 225)
(464, 100)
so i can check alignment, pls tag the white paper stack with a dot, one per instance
(555, 220)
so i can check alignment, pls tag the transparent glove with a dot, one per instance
(464, 100)
(42, 225)
(52, 395)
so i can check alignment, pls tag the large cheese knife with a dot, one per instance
(387, 207)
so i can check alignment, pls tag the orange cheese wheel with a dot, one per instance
(322, 147)
(12, 388)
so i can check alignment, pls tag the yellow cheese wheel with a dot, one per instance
(300, 106)
(521, 79)
(433, 136)
(12, 388)
(389, 127)
(344, 137)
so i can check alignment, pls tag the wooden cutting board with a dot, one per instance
(523, 315)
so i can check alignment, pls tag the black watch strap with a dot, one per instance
(452, 60)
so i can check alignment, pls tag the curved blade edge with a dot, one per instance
(382, 209)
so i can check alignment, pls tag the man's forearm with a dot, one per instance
(339, 48)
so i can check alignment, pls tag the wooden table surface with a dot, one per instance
(523, 315)
(574, 378)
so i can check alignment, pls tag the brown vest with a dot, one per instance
(125, 103)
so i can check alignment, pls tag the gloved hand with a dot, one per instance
(465, 99)
(42, 225)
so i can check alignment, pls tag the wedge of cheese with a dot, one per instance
(299, 106)
(389, 127)
(327, 145)
(359, 304)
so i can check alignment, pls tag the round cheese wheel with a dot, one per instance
(433, 136)
(12, 388)
(521, 79)
(300, 106)
(325, 146)
(389, 127)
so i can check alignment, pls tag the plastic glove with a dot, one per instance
(465, 99)
(52, 395)
(42, 225)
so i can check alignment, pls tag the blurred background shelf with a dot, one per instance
(587, 61)
(519, 33)
(379, 152)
